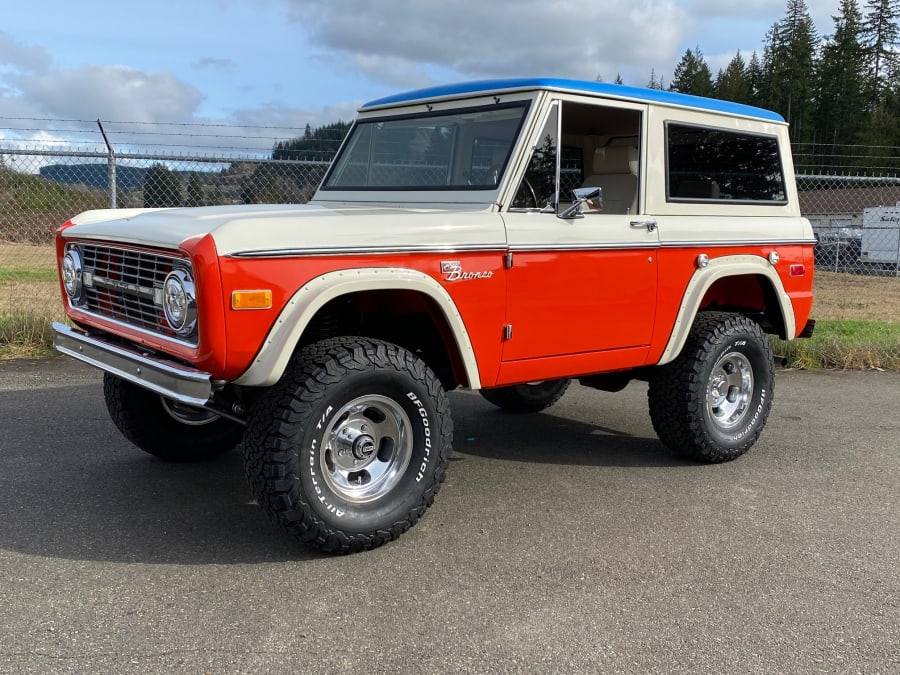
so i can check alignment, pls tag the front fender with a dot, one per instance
(276, 350)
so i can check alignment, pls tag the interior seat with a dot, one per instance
(615, 172)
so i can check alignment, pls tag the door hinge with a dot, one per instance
(508, 260)
(507, 332)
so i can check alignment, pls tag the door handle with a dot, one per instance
(649, 224)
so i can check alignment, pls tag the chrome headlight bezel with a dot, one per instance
(179, 302)
(72, 274)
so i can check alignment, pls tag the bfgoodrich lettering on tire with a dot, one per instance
(712, 402)
(349, 449)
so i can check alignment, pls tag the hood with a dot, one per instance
(282, 229)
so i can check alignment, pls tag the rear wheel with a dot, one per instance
(165, 428)
(350, 447)
(527, 398)
(712, 402)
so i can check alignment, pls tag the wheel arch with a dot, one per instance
(296, 316)
(718, 280)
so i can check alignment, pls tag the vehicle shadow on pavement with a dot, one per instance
(76, 489)
(549, 437)
(80, 491)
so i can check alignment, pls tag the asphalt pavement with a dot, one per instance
(567, 541)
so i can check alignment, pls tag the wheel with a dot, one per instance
(350, 447)
(527, 398)
(712, 402)
(165, 428)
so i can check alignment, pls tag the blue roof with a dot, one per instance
(606, 89)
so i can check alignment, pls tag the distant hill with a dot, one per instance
(95, 175)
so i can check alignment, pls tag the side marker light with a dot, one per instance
(257, 299)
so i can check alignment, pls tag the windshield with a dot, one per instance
(465, 149)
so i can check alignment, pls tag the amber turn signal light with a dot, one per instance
(260, 299)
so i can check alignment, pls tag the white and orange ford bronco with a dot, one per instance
(504, 236)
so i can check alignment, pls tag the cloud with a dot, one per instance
(397, 42)
(111, 92)
(213, 64)
(16, 56)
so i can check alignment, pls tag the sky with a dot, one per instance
(253, 71)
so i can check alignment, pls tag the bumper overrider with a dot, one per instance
(168, 378)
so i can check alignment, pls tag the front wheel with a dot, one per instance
(712, 402)
(165, 428)
(350, 447)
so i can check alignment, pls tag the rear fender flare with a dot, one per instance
(702, 281)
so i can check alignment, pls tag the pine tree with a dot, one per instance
(316, 145)
(654, 83)
(162, 187)
(840, 102)
(789, 68)
(733, 83)
(881, 30)
(692, 75)
(755, 77)
(194, 191)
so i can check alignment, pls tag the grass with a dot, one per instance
(848, 344)
(858, 317)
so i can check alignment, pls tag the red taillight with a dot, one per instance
(798, 270)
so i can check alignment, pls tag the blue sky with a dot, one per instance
(260, 63)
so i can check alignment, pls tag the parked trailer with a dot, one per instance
(881, 235)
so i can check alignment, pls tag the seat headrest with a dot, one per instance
(616, 159)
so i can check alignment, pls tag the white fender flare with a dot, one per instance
(705, 277)
(273, 355)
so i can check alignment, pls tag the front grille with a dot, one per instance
(126, 285)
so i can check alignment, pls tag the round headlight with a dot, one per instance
(72, 273)
(179, 302)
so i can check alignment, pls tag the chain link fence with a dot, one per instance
(856, 220)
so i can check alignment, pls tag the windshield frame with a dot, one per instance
(456, 158)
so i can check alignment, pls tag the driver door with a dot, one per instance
(581, 290)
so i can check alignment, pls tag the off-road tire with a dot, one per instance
(711, 403)
(527, 398)
(164, 428)
(339, 397)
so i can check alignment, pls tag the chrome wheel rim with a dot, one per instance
(366, 448)
(188, 414)
(730, 390)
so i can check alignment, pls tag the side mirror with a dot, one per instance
(590, 196)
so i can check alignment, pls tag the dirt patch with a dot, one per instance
(849, 296)
(27, 256)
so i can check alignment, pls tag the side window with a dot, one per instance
(584, 145)
(705, 164)
(608, 140)
(538, 189)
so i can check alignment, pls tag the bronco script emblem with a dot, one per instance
(452, 271)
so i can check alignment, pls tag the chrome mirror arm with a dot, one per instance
(592, 196)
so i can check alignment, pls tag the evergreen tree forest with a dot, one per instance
(839, 90)
(316, 145)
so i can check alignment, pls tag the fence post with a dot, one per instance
(111, 171)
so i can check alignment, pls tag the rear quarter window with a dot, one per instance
(706, 164)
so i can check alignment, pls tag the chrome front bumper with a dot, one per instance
(168, 378)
